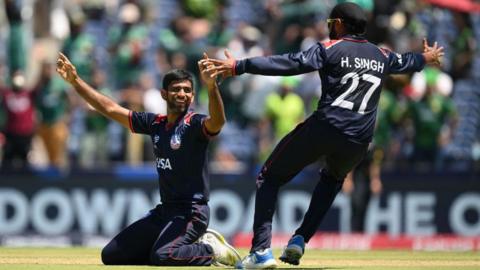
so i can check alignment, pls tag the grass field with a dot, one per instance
(89, 259)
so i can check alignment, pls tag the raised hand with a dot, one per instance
(434, 54)
(66, 69)
(225, 68)
(207, 77)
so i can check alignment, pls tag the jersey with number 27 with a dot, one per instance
(352, 71)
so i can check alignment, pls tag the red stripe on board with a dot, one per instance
(336, 241)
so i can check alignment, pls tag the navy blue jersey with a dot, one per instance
(180, 155)
(352, 71)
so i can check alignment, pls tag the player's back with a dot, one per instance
(352, 71)
(352, 76)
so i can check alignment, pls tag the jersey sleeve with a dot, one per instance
(198, 123)
(285, 64)
(405, 63)
(141, 122)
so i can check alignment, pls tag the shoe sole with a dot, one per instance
(223, 241)
(292, 255)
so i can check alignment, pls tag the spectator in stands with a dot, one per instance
(220, 33)
(3, 115)
(16, 104)
(430, 114)
(79, 46)
(284, 109)
(183, 43)
(51, 104)
(16, 51)
(170, 54)
(242, 96)
(94, 145)
(289, 18)
(463, 46)
(127, 45)
(18, 101)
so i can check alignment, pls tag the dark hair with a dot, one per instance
(176, 75)
(353, 17)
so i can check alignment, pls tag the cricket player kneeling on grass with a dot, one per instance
(175, 232)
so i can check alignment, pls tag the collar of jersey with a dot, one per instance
(168, 126)
(354, 38)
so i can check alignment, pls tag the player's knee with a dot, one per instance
(268, 178)
(108, 256)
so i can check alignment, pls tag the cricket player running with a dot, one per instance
(352, 71)
(175, 232)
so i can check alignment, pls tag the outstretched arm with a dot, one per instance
(275, 65)
(101, 103)
(217, 119)
(409, 62)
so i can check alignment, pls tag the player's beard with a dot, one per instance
(178, 108)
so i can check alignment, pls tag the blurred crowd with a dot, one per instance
(426, 121)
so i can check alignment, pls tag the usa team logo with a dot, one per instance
(156, 139)
(175, 141)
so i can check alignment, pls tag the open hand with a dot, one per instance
(224, 68)
(434, 54)
(66, 69)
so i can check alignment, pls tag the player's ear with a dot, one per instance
(341, 27)
(163, 92)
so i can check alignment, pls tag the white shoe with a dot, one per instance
(262, 259)
(224, 253)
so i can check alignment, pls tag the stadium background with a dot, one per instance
(103, 178)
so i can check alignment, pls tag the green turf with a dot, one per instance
(89, 259)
